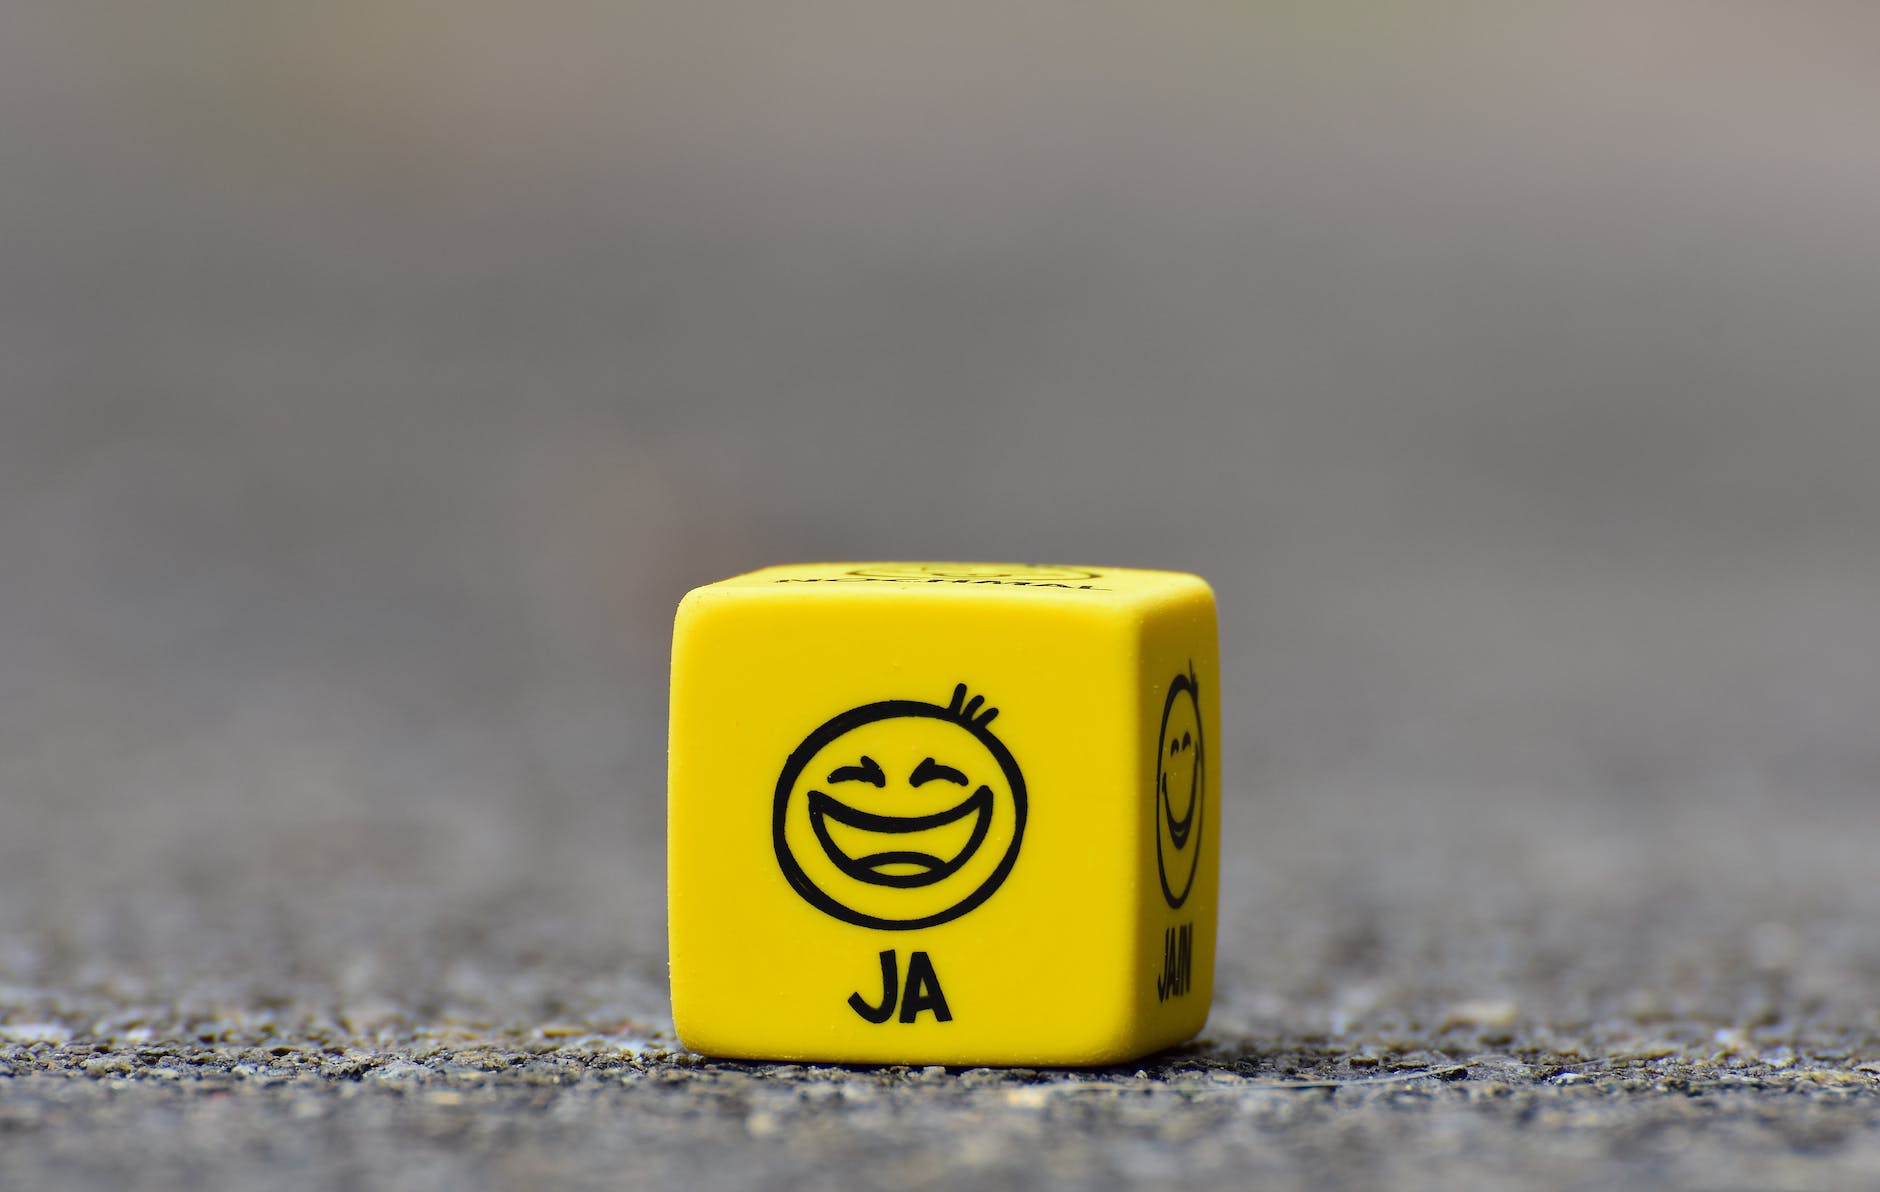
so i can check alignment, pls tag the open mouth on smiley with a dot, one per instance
(1178, 829)
(902, 851)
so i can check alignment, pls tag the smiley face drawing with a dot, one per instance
(900, 814)
(1180, 786)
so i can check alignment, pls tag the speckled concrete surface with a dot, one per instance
(457, 1107)
(600, 1112)
(1459, 1011)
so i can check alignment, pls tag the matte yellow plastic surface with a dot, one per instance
(943, 813)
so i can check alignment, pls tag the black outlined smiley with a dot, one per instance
(1180, 789)
(900, 814)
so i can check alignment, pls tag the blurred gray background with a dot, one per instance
(374, 378)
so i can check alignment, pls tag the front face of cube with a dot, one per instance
(941, 817)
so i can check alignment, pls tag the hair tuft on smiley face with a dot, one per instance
(967, 711)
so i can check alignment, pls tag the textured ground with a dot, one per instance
(512, 1112)
(1471, 1014)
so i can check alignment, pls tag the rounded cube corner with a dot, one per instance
(701, 1040)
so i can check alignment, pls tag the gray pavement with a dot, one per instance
(373, 383)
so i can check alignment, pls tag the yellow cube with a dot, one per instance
(943, 813)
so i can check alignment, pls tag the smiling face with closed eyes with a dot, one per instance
(900, 814)
(1180, 786)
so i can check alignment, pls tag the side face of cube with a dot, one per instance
(907, 820)
(1180, 728)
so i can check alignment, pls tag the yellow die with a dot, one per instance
(943, 813)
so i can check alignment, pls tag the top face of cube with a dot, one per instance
(926, 812)
(1106, 585)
